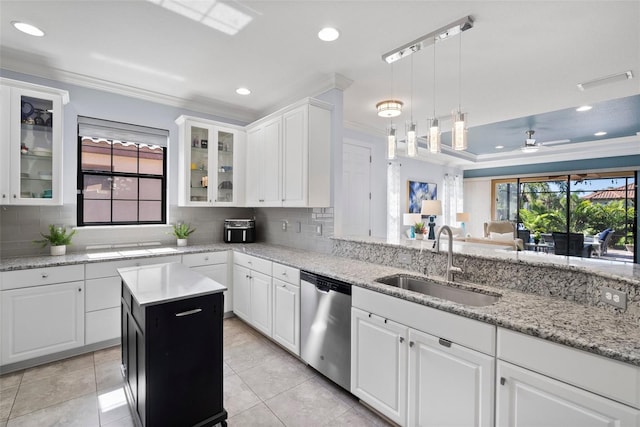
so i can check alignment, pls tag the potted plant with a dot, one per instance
(182, 232)
(58, 239)
(536, 237)
(420, 230)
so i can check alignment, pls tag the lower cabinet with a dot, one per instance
(41, 320)
(379, 364)
(242, 292)
(215, 266)
(449, 385)
(286, 315)
(527, 399)
(261, 303)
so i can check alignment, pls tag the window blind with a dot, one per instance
(99, 128)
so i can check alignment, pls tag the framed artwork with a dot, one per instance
(417, 192)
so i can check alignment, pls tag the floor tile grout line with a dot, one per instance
(15, 397)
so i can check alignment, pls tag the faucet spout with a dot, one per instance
(450, 267)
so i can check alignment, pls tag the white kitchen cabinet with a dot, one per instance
(242, 292)
(209, 163)
(449, 385)
(527, 399)
(379, 363)
(286, 307)
(215, 266)
(289, 157)
(261, 302)
(40, 320)
(31, 156)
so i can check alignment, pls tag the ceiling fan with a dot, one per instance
(531, 145)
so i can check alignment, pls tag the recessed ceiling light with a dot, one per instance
(499, 147)
(584, 108)
(32, 30)
(328, 34)
(243, 91)
(601, 133)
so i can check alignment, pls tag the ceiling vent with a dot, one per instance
(627, 75)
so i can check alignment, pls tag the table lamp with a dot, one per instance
(411, 219)
(431, 208)
(462, 217)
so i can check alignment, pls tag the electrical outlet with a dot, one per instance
(319, 229)
(404, 259)
(284, 225)
(298, 226)
(613, 297)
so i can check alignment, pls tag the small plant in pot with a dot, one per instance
(536, 237)
(420, 230)
(58, 239)
(182, 232)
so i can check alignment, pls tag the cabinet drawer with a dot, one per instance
(253, 263)
(110, 268)
(205, 258)
(607, 377)
(102, 325)
(286, 274)
(41, 276)
(102, 293)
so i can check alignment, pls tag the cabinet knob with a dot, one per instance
(15, 197)
(369, 315)
(284, 273)
(79, 289)
(444, 342)
(249, 262)
(503, 380)
(206, 258)
(401, 339)
(283, 285)
(45, 275)
(4, 196)
(411, 343)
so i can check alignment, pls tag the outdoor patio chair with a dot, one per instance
(575, 245)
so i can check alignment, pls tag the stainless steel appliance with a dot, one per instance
(239, 230)
(325, 326)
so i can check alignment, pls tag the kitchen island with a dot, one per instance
(172, 345)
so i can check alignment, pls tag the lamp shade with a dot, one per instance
(389, 108)
(411, 218)
(431, 207)
(462, 217)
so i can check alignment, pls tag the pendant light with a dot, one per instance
(393, 109)
(434, 128)
(391, 142)
(412, 137)
(459, 131)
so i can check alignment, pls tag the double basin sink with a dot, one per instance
(465, 296)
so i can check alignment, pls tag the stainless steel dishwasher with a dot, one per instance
(325, 326)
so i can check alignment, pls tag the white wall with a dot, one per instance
(477, 201)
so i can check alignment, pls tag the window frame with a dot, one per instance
(111, 174)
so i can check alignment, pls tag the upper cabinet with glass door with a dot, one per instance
(209, 160)
(31, 144)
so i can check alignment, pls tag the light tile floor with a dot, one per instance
(263, 386)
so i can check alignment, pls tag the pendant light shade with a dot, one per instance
(389, 108)
(391, 143)
(412, 140)
(459, 131)
(434, 136)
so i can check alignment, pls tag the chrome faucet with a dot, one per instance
(450, 267)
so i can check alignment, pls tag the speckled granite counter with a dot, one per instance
(594, 329)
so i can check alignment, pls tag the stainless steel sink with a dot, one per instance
(440, 290)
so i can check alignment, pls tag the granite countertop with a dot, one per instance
(583, 327)
(162, 283)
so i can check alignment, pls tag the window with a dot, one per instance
(121, 173)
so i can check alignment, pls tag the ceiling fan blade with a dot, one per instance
(554, 142)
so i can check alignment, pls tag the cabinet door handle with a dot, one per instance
(249, 262)
(411, 343)
(284, 273)
(503, 380)
(189, 312)
(206, 258)
(284, 285)
(401, 339)
(45, 275)
(444, 342)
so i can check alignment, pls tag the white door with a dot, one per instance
(449, 385)
(261, 302)
(241, 292)
(218, 272)
(41, 320)
(286, 315)
(379, 363)
(356, 190)
(527, 399)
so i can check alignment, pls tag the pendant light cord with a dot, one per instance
(411, 89)
(460, 73)
(434, 79)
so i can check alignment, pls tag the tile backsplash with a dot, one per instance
(21, 225)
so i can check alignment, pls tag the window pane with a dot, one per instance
(150, 211)
(125, 211)
(96, 154)
(97, 187)
(125, 157)
(150, 189)
(125, 188)
(151, 159)
(97, 211)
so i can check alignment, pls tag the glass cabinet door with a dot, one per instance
(36, 146)
(199, 167)
(225, 172)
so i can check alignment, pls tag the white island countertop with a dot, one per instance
(161, 283)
